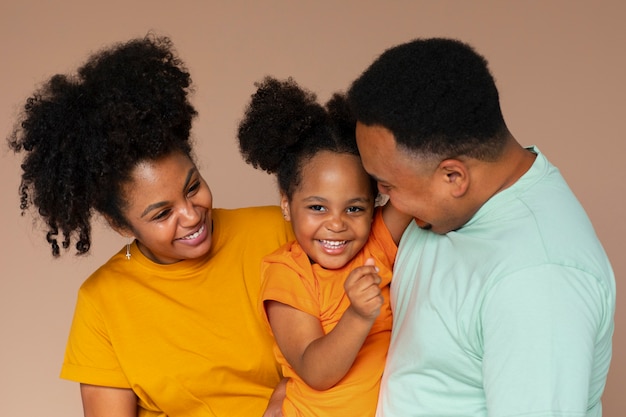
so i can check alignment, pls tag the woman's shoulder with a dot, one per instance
(271, 211)
(263, 220)
(128, 264)
(107, 276)
(260, 216)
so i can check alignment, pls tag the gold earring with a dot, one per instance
(128, 249)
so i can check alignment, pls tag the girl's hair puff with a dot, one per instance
(284, 126)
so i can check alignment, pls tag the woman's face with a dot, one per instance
(331, 212)
(169, 209)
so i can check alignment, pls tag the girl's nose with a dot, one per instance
(336, 223)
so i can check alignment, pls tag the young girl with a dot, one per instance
(326, 294)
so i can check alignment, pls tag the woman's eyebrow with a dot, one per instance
(152, 207)
(192, 170)
(162, 203)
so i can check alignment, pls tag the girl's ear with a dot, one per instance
(284, 206)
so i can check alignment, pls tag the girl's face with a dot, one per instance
(169, 209)
(331, 212)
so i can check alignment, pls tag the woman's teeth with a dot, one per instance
(194, 235)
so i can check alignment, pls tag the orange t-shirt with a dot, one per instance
(186, 337)
(290, 278)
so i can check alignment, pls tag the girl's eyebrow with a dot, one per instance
(315, 198)
(162, 203)
(360, 199)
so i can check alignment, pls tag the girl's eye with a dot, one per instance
(316, 207)
(354, 209)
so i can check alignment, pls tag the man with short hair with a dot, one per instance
(503, 297)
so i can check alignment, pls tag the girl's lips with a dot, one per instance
(333, 246)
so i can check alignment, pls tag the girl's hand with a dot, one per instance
(362, 288)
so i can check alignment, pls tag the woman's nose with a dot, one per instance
(189, 215)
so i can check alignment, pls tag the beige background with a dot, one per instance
(560, 67)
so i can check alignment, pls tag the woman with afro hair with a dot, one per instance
(325, 295)
(168, 326)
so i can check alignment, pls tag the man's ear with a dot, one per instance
(284, 206)
(455, 174)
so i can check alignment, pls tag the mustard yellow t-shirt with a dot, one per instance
(289, 277)
(186, 337)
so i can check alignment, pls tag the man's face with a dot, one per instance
(415, 185)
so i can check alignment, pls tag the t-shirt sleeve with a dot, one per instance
(89, 355)
(381, 238)
(283, 284)
(540, 337)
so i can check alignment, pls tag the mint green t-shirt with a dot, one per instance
(511, 315)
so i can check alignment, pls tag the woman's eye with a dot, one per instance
(162, 215)
(194, 187)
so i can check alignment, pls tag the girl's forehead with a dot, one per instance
(329, 173)
(328, 159)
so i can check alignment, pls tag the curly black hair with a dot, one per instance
(436, 96)
(82, 134)
(284, 127)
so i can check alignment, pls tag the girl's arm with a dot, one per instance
(101, 401)
(395, 221)
(323, 360)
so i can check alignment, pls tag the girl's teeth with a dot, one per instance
(333, 243)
